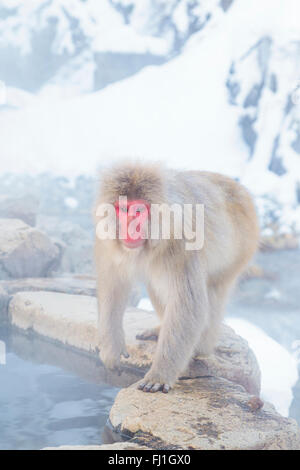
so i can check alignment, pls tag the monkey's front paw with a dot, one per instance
(112, 359)
(151, 334)
(153, 383)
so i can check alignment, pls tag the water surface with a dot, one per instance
(50, 396)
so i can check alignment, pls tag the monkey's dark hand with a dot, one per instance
(153, 383)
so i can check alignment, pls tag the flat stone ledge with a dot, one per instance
(69, 284)
(72, 320)
(69, 319)
(207, 414)
(72, 284)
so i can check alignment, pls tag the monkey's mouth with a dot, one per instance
(131, 244)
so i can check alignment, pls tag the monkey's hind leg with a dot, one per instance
(208, 341)
(210, 335)
(152, 334)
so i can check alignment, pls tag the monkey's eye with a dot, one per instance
(140, 209)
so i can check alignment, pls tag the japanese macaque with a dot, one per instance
(188, 287)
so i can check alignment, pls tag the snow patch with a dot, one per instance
(279, 369)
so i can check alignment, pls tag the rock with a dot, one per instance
(24, 208)
(77, 243)
(4, 300)
(254, 271)
(208, 413)
(69, 284)
(232, 360)
(25, 251)
(282, 241)
(115, 446)
(72, 320)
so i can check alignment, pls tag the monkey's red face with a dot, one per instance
(133, 216)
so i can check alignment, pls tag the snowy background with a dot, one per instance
(207, 84)
(200, 84)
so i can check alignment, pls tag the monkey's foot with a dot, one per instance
(153, 387)
(151, 334)
(154, 382)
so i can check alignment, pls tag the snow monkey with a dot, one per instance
(188, 287)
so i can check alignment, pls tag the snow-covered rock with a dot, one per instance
(77, 244)
(19, 207)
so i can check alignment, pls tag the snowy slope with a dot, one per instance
(95, 22)
(227, 103)
(178, 112)
(279, 368)
(108, 25)
(83, 45)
